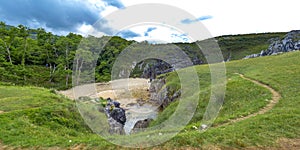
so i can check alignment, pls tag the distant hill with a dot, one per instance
(233, 47)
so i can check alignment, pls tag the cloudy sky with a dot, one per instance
(219, 17)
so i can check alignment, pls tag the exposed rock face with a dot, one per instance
(161, 94)
(152, 68)
(140, 125)
(156, 94)
(290, 42)
(115, 126)
(116, 118)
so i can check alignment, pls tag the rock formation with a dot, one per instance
(154, 67)
(141, 125)
(290, 42)
(161, 95)
(116, 117)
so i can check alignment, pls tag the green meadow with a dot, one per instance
(38, 118)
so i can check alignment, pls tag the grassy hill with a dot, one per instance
(237, 47)
(279, 72)
(37, 118)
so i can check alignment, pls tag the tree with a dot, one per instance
(23, 33)
(84, 61)
(8, 36)
(67, 47)
(46, 41)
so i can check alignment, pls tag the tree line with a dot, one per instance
(40, 58)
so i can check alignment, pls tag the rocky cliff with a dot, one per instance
(291, 42)
(162, 95)
(151, 68)
(141, 125)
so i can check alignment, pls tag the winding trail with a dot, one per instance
(275, 99)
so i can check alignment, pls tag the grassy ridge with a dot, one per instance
(49, 120)
(37, 117)
(281, 73)
(239, 46)
(242, 98)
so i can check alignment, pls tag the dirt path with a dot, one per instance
(1, 112)
(275, 99)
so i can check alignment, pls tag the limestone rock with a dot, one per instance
(290, 42)
(115, 127)
(141, 125)
(161, 95)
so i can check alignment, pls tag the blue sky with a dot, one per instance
(50, 13)
(220, 17)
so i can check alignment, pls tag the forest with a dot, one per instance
(40, 58)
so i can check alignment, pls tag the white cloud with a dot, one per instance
(161, 34)
(228, 17)
(239, 16)
(108, 10)
(86, 29)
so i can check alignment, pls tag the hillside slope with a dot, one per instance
(264, 130)
(28, 113)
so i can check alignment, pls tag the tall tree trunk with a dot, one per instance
(67, 66)
(79, 72)
(76, 71)
(24, 53)
(23, 58)
(8, 52)
(67, 79)
(50, 67)
(52, 72)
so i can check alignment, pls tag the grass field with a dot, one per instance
(38, 118)
(279, 72)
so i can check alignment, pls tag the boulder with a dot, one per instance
(141, 125)
(115, 127)
(116, 117)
